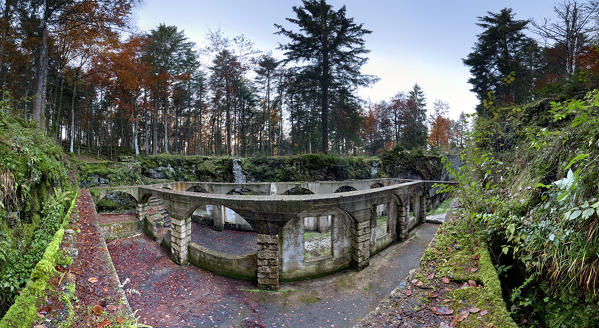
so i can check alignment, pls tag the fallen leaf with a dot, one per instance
(414, 281)
(119, 320)
(39, 326)
(110, 307)
(476, 257)
(472, 283)
(97, 309)
(483, 313)
(474, 310)
(408, 292)
(442, 310)
(93, 280)
(460, 317)
(103, 324)
(446, 300)
(473, 270)
(432, 295)
(44, 310)
(430, 276)
(419, 284)
(445, 280)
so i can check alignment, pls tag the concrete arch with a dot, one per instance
(121, 204)
(131, 191)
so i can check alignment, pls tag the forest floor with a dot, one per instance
(166, 294)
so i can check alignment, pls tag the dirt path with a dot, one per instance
(98, 293)
(168, 295)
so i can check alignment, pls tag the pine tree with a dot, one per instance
(499, 57)
(330, 42)
(414, 133)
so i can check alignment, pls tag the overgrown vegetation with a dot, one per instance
(34, 196)
(531, 181)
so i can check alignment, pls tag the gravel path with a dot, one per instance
(226, 241)
(185, 296)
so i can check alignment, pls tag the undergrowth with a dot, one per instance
(531, 180)
(34, 196)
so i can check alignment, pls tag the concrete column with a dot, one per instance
(361, 244)
(324, 223)
(142, 211)
(180, 238)
(218, 215)
(268, 261)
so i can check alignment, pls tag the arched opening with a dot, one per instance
(197, 189)
(345, 189)
(318, 237)
(380, 220)
(221, 229)
(242, 191)
(116, 202)
(376, 185)
(298, 190)
(117, 215)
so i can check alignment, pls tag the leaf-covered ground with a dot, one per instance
(455, 286)
(165, 294)
(100, 301)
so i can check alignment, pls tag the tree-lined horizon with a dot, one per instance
(77, 69)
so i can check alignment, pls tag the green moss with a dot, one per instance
(458, 248)
(23, 312)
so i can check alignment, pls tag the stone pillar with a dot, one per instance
(402, 220)
(421, 200)
(142, 211)
(180, 237)
(360, 244)
(218, 215)
(268, 261)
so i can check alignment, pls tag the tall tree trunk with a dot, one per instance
(39, 101)
(324, 89)
(155, 128)
(165, 112)
(228, 118)
(73, 112)
(57, 127)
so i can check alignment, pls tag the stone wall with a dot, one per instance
(118, 230)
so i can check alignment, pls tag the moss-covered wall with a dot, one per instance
(307, 167)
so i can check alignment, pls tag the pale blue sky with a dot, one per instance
(412, 41)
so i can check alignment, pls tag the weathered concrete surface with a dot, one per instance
(235, 266)
(205, 299)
